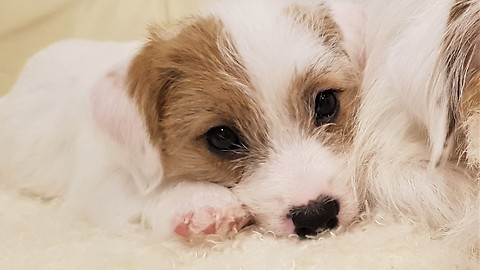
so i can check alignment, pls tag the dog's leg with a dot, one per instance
(105, 191)
(194, 210)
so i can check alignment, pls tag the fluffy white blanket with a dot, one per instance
(33, 236)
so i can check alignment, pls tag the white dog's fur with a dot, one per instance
(79, 123)
(416, 142)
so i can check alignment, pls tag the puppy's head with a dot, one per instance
(257, 96)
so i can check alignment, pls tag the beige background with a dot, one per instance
(27, 26)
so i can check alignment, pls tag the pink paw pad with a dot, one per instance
(211, 221)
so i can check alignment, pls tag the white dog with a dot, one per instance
(418, 137)
(241, 112)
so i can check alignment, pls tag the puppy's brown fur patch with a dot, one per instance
(304, 89)
(336, 77)
(188, 84)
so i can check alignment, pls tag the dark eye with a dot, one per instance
(223, 139)
(326, 106)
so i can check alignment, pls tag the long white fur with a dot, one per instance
(401, 146)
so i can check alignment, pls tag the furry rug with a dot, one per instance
(33, 236)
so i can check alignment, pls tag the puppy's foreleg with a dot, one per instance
(194, 210)
(107, 193)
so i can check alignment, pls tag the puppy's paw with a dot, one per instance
(210, 219)
(194, 210)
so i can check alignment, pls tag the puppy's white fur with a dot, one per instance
(71, 130)
(406, 159)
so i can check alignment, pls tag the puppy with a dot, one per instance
(417, 141)
(241, 113)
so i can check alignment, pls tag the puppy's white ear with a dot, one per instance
(115, 113)
(351, 19)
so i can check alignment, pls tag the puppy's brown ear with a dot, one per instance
(150, 76)
(115, 114)
(351, 19)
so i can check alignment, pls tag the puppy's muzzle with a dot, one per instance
(315, 217)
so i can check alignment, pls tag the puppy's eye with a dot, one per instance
(223, 139)
(326, 106)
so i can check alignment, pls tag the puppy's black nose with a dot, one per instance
(315, 217)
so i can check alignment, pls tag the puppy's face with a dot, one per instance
(257, 96)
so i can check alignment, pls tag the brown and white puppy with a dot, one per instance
(241, 112)
(418, 135)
